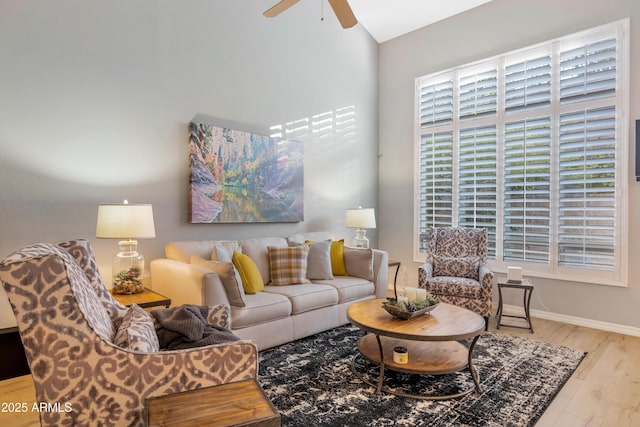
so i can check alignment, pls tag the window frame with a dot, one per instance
(618, 29)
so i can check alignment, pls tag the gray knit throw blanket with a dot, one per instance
(186, 327)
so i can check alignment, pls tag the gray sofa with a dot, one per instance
(199, 272)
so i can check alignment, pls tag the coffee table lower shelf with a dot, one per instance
(425, 358)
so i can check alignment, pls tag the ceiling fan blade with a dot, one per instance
(279, 7)
(344, 13)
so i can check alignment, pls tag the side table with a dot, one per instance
(241, 403)
(144, 299)
(527, 287)
(395, 264)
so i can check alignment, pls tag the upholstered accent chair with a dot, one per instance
(456, 271)
(69, 325)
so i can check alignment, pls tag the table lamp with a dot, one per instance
(130, 222)
(360, 219)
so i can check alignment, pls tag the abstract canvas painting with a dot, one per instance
(238, 176)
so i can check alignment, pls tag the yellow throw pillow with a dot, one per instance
(252, 282)
(338, 266)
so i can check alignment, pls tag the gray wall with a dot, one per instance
(96, 97)
(497, 27)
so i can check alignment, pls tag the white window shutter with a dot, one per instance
(436, 183)
(587, 195)
(527, 186)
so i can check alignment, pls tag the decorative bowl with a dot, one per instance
(395, 311)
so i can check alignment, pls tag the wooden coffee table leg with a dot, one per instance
(381, 376)
(474, 374)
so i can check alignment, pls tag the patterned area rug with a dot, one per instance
(311, 383)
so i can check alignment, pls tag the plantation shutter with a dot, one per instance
(478, 95)
(587, 161)
(586, 229)
(588, 72)
(436, 104)
(477, 181)
(529, 145)
(436, 183)
(527, 186)
(528, 84)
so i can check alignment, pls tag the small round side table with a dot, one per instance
(527, 287)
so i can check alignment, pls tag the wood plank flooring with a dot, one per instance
(604, 391)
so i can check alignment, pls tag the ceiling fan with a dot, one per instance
(340, 7)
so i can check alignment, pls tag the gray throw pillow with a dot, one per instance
(224, 249)
(319, 261)
(228, 276)
(359, 262)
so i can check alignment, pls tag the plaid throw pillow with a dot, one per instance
(288, 265)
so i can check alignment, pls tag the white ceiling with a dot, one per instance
(387, 19)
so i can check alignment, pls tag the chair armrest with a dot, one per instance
(486, 279)
(139, 376)
(187, 283)
(425, 273)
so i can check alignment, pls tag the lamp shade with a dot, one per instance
(125, 221)
(361, 218)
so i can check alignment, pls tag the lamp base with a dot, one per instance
(361, 241)
(128, 269)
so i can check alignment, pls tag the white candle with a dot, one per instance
(421, 294)
(403, 299)
(410, 293)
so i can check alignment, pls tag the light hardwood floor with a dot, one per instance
(604, 390)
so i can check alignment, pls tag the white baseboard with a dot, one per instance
(578, 321)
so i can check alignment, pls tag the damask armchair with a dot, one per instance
(456, 271)
(69, 325)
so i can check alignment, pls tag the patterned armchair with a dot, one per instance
(69, 322)
(456, 271)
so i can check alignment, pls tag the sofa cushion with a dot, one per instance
(306, 236)
(182, 250)
(288, 266)
(456, 267)
(319, 261)
(257, 250)
(359, 262)
(249, 273)
(224, 249)
(349, 287)
(306, 297)
(229, 277)
(137, 332)
(260, 308)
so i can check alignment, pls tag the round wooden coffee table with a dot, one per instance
(432, 341)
